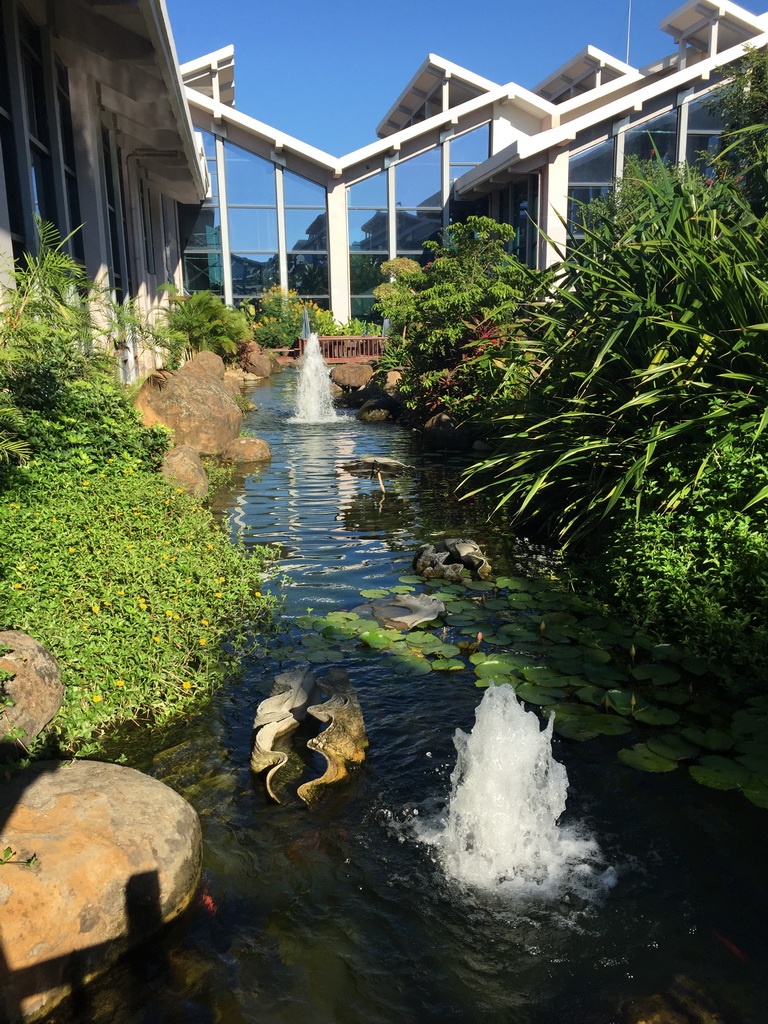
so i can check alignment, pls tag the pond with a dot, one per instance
(341, 914)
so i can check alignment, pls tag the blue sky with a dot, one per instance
(327, 71)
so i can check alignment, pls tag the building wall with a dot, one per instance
(67, 158)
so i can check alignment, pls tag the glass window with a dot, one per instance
(250, 180)
(209, 145)
(701, 119)
(700, 151)
(414, 227)
(368, 230)
(254, 274)
(214, 180)
(595, 164)
(308, 274)
(657, 137)
(252, 230)
(306, 229)
(371, 192)
(365, 273)
(579, 197)
(471, 148)
(200, 228)
(417, 181)
(300, 192)
(362, 307)
(202, 272)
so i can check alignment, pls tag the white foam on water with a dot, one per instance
(500, 829)
(314, 402)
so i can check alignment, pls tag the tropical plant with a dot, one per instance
(461, 319)
(201, 322)
(656, 352)
(742, 102)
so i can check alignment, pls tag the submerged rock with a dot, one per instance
(246, 449)
(447, 559)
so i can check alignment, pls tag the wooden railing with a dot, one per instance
(348, 348)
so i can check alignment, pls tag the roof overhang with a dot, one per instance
(126, 46)
(589, 68)
(691, 24)
(213, 75)
(426, 88)
(526, 153)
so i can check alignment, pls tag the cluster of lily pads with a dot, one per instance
(572, 660)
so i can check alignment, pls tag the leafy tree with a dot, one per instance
(742, 102)
(461, 318)
(201, 322)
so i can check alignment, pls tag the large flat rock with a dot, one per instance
(102, 857)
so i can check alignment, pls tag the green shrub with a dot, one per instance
(131, 585)
(201, 322)
(278, 316)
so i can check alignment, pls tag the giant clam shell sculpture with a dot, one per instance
(294, 696)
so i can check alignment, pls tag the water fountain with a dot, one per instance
(314, 403)
(508, 793)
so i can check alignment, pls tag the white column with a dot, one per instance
(553, 206)
(338, 252)
(226, 256)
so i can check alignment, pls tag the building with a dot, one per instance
(96, 137)
(173, 184)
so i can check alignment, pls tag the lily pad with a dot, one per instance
(373, 593)
(410, 579)
(644, 759)
(412, 666)
(539, 695)
(756, 791)
(493, 680)
(542, 676)
(339, 632)
(670, 745)
(710, 739)
(666, 652)
(342, 616)
(494, 665)
(575, 729)
(313, 640)
(610, 725)
(324, 657)
(479, 585)
(720, 772)
(447, 664)
(757, 763)
(511, 583)
(675, 695)
(591, 695)
(606, 676)
(402, 590)
(650, 715)
(749, 723)
(568, 709)
(379, 638)
(622, 701)
(658, 674)
(519, 599)
(696, 665)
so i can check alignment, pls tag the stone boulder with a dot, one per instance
(183, 466)
(103, 856)
(352, 376)
(35, 688)
(246, 449)
(256, 361)
(392, 381)
(197, 408)
(445, 431)
(207, 364)
(379, 410)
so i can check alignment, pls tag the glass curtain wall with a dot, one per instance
(590, 174)
(306, 233)
(252, 221)
(200, 229)
(368, 240)
(702, 136)
(419, 204)
(465, 152)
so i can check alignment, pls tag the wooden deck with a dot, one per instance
(348, 348)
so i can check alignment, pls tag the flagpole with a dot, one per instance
(629, 25)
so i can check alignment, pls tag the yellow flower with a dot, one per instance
(186, 686)
(121, 593)
(203, 622)
(156, 639)
(17, 586)
(217, 594)
(203, 641)
(169, 614)
(110, 460)
(94, 607)
(107, 604)
(86, 484)
(119, 682)
(177, 616)
(96, 698)
(71, 550)
(128, 547)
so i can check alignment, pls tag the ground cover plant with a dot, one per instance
(131, 585)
